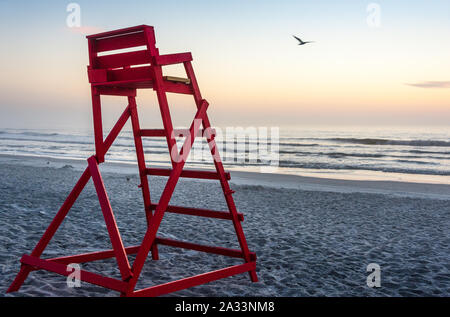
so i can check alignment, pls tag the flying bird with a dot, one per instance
(300, 41)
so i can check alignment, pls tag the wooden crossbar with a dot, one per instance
(85, 276)
(116, 129)
(176, 132)
(195, 280)
(200, 212)
(186, 173)
(115, 91)
(123, 59)
(92, 256)
(203, 248)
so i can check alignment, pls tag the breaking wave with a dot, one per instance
(369, 141)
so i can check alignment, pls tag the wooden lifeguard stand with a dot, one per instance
(122, 74)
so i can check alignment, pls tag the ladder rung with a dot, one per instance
(187, 173)
(204, 248)
(177, 132)
(200, 212)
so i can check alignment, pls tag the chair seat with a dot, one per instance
(125, 87)
(141, 83)
(177, 79)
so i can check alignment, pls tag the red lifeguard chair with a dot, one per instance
(122, 74)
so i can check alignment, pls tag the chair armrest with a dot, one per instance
(170, 59)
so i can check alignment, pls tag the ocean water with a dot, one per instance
(372, 153)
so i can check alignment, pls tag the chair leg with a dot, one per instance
(20, 278)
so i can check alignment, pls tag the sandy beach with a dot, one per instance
(312, 236)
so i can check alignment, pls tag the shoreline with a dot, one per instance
(306, 183)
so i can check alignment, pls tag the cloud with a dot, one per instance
(431, 84)
(86, 30)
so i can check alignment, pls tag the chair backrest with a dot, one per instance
(121, 55)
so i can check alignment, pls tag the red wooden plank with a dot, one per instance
(131, 84)
(116, 129)
(152, 133)
(143, 73)
(186, 173)
(110, 220)
(162, 132)
(20, 278)
(92, 256)
(200, 212)
(124, 59)
(194, 280)
(98, 125)
(121, 41)
(115, 91)
(84, 275)
(119, 31)
(170, 59)
(203, 248)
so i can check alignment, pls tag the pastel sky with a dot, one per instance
(249, 66)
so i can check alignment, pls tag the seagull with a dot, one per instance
(301, 42)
